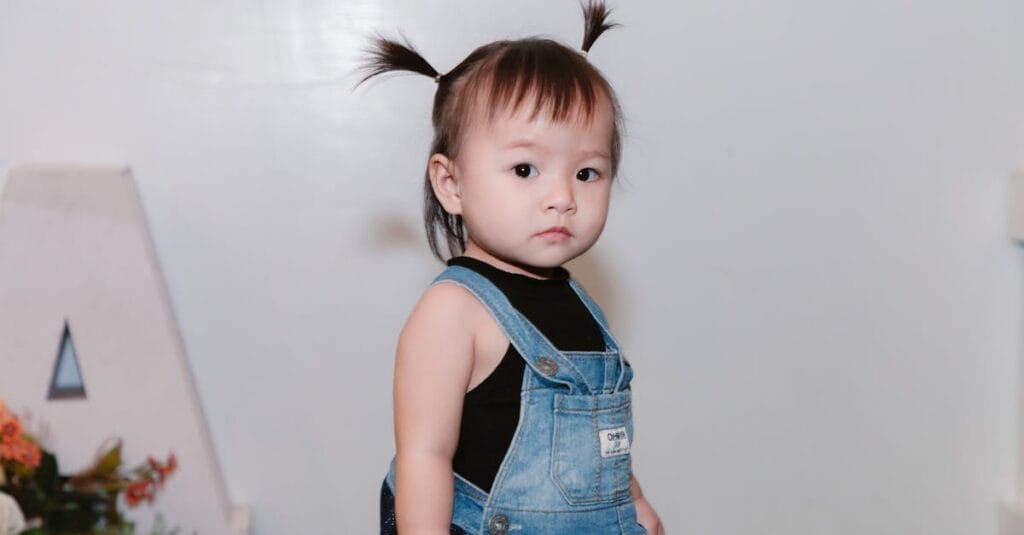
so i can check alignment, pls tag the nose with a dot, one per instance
(560, 196)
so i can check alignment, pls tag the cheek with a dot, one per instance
(598, 199)
(488, 213)
(597, 210)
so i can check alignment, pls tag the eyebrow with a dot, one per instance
(527, 144)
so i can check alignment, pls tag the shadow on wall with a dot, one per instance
(393, 230)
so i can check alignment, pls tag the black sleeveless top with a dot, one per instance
(490, 411)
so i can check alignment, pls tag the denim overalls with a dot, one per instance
(567, 469)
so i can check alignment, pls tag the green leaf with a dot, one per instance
(109, 462)
(47, 476)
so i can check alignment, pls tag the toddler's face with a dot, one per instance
(519, 178)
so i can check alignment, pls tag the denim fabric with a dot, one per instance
(568, 467)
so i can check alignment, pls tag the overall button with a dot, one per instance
(547, 366)
(498, 525)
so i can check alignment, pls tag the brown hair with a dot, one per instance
(500, 76)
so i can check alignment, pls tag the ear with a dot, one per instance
(444, 182)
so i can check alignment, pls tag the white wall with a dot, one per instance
(806, 259)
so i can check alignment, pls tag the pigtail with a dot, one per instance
(595, 14)
(388, 55)
(502, 74)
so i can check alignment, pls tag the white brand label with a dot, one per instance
(614, 442)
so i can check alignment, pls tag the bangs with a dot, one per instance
(533, 76)
(536, 75)
(562, 84)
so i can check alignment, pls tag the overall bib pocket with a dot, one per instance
(590, 459)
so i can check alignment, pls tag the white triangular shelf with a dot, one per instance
(74, 245)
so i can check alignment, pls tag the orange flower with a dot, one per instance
(14, 445)
(139, 491)
(9, 429)
(171, 466)
(27, 453)
(22, 451)
(162, 470)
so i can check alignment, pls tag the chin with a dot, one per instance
(553, 261)
(532, 262)
(538, 259)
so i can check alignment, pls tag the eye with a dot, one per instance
(588, 174)
(523, 170)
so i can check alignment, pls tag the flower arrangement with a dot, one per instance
(105, 479)
(19, 453)
(150, 477)
(85, 502)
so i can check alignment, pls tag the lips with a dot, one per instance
(555, 231)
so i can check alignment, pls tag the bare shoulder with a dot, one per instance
(443, 311)
(433, 366)
(439, 335)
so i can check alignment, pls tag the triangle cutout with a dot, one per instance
(67, 382)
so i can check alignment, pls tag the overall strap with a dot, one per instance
(535, 348)
(595, 311)
(609, 340)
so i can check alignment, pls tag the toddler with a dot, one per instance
(512, 400)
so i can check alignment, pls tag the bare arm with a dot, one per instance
(433, 364)
(645, 513)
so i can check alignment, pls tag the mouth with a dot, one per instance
(555, 232)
